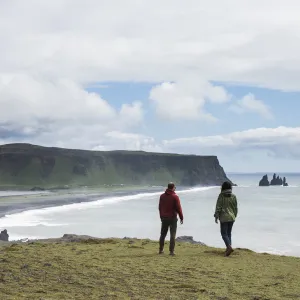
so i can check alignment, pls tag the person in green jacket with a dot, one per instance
(226, 211)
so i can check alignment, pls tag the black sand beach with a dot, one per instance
(18, 203)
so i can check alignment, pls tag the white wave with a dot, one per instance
(29, 218)
(198, 189)
(37, 217)
(243, 186)
(16, 237)
(274, 251)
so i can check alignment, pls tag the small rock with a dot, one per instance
(76, 238)
(4, 236)
(188, 239)
(131, 242)
(37, 188)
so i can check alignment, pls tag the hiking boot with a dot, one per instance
(172, 253)
(161, 252)
(229, 250)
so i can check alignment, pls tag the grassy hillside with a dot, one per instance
(30, 165)
(121, 269)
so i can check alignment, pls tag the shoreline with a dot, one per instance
(12, 204)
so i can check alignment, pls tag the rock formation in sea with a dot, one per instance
(42, 167)
(4, 236)
(276, 180)
(264, 181)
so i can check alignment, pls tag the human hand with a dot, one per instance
(181, 222)
(216, 220)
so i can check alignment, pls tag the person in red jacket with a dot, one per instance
(169, 208)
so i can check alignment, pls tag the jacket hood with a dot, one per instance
(169, 192)
(227, 192)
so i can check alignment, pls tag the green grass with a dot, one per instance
(117, 269)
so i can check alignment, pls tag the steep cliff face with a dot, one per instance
(30, 165)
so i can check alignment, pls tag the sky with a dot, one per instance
(192, 77)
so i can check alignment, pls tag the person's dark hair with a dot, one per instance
(226, 186)
(171, 186)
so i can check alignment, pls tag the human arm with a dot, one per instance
(179, 208)
(218, 208)
(235, 206)
(159, 206)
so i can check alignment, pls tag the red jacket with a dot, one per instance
(169, 205)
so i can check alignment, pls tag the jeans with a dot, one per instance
(226, 228)
(165, 225)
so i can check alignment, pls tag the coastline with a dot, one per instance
(12, 204)
(20, 203)
(15, 205)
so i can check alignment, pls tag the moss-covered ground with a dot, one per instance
(132, 269)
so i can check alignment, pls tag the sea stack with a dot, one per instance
(276, 180)
(264, 181)
(284, 183)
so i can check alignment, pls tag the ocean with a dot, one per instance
(268, 219)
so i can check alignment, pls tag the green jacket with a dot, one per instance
(226, 208)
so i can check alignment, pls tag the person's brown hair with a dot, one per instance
(226, 186)
(171, 186)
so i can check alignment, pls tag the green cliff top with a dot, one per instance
(120, 269)
(25, 165)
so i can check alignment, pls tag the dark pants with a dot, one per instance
(226, 228)
(165, 225)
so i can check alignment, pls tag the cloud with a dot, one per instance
(185, 100)
(281, 141)
(59, 111)
(131, 114)
(89, 138)
(129, 40)
(128, 141)
(249, 104)
(51, 50)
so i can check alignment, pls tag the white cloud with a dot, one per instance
(281, 141)
(186, 99)
(94, 137)
(249, 104)
(130, 40)
(132, 114)
(128, 141)
(59, 111)
(50, 50)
